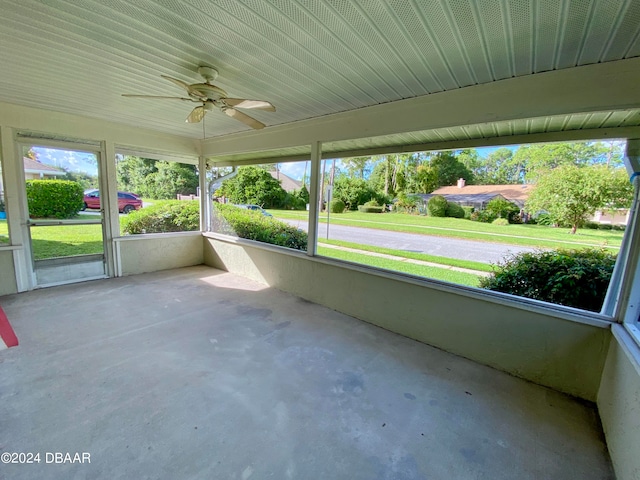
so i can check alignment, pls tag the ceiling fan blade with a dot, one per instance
(157, 96)
(244, 118)
(196, 115)
(191, 91)
(244, 103)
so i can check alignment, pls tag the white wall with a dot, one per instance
(565, 355)
(619, 405)
(161, 251)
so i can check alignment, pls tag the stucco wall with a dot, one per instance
(150, 253)
(562, 354)
(619, 405)
(7, 273)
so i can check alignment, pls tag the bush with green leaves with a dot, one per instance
(337, 206)
(54, 198)
(575, 278)
(354, 192)
(253, 185)
(370, 207)
(467, 212)
(454, 210)
(483, 216)
(543, 219)
(437, 206)
(502, 208)
(407, 202)
(252, 225)
(162, 217)
(500, 221)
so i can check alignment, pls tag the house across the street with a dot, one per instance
(478, 196)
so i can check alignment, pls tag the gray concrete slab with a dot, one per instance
(196, 373)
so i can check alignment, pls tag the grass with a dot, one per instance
(452, 262)
(62, 241)
(4, 232)
(522, 235)
(443, 274)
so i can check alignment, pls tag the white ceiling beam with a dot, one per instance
(592, 88)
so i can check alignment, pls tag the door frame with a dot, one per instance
(99, 150)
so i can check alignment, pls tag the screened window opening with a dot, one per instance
(541, 221)
(157, 196)
(267, 203)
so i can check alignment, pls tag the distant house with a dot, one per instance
(287, 183)
(478, 196)
(36, 170)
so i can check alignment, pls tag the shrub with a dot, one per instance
(353, 191)
(369, 209)
(407, 203)
(454, 210)
(162, 217)
(467, 212)
(619, 228)
(294, 202)
(54, 198)
(591, 225)
(337, 206)
(501, 208)
(482, 216)
(575, 278)
(544, 219)
(437, 206)
(500, 221)
(251, 225)
(605, 226)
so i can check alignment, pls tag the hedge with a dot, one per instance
(370, 209)
(454, 210)
(575, 278)
(54, 198)
(337, 206)
(162, 217)
(232, 220)
(437, 206)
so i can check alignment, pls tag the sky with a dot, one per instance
(73, 161)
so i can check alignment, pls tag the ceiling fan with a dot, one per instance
(210, 96)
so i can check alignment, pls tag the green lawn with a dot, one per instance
(61, 241)
(4, 232)
(453, 262)
(399, 266)
(523, 235)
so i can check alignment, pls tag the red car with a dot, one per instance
(127, 201)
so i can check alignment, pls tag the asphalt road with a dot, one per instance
(487, 252)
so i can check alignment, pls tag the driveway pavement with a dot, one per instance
(487, 252)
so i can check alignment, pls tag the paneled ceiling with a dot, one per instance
(309, 58)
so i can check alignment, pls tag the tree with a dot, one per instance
(253, 185)
(499, 169)
(359, 167)
(443, 169)
(353, 191)
(155, 178)
(533, 160)
(570, 194)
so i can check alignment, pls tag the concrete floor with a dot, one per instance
(199, 374)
